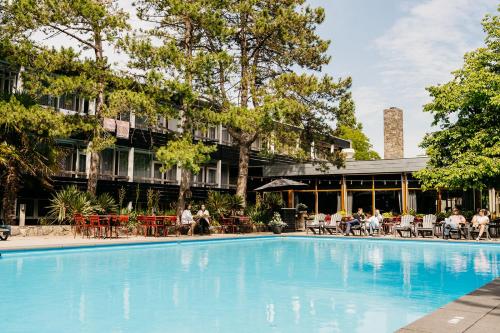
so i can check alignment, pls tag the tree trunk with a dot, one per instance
(183, 189)
(101, 82)
(93, 172)
(9, 195)
(241, 187)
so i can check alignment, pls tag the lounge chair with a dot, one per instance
(427, 225)
(405, 225)
(334, 226)
(4, 231)
(318, 223)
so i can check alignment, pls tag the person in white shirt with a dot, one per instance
(187, 219)
(482, 220)
(373, 222)
(204, 220)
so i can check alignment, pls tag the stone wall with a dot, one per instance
(393, 133)
(41, 230)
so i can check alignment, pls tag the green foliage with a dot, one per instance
(104, 203)
(121, 197)
(185, 154)
(465, 152)
(68, 202)
(360, 142)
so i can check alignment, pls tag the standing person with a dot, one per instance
(453, 222)
(357, 218)
(204, 220)
(187, 219)
(482, 221)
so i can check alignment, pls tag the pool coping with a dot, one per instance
(160, 241)
(125, 242)
(478, 311)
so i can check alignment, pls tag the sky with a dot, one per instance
(393, 49)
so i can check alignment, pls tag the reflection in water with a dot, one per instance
(203, 262)
(126, 302)
(481, 262)
(270, 313)
(81, 312)
(458, 262)
(296, 308)
(186, 258)
(19, 266)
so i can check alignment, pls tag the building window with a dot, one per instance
(212, 176)
(82, 162)
(142, 166)
(122, 163)
(171, 174)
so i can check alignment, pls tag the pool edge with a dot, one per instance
(477, 311)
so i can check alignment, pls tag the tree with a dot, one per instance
(465, 152)
(173, 59)
(90, 25)
(360, 142)
(27, 145)
(258, 91)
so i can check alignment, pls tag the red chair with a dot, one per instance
(171, 221)
(122, 224)
(227, 223)
(149, 225)
(79, 224)
(96, 225)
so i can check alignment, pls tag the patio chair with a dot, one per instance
(122, 224)
(79, 225)
(227, 223)
(334, 225)
(427, 225)
(475, 230)
(405, 225)
(97, 226)
(378, 229)
(318, 223)
(4, 232)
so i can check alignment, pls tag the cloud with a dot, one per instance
(420, 49)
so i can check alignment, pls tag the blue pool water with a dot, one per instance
(257, 285)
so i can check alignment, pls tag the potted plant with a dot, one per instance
(277, 223)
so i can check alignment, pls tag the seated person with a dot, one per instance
(482, 220)
(357, 218)
(453, 222)
(187, 220)
(204, 220)
(373, 222)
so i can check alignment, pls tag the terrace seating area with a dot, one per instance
(403, 226)
(114, 226)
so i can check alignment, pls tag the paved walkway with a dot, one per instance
(477, 312)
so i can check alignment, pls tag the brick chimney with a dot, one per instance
(393, 133)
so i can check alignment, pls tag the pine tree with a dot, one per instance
(172, 58)
(92, 26)
(259, 92)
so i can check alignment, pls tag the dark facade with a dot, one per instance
(131, 163)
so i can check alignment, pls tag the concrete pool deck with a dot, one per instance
(478, 311)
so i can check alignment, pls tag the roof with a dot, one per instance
(351, 168)
(281, 183)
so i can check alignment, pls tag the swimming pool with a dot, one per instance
(278, 284)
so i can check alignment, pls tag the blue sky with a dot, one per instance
(393, 49)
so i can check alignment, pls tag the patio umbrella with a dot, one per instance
(279, 185)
